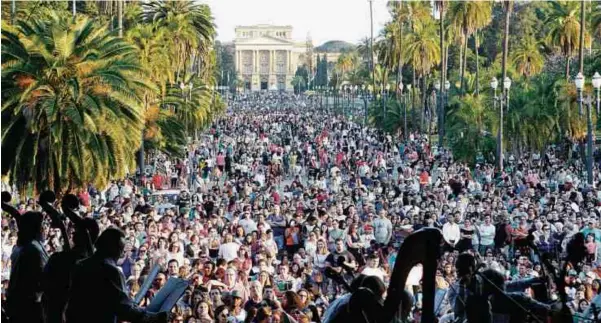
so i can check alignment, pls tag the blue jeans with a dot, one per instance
(279, 240)
(438, 299)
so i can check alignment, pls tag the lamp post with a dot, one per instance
(351, 93)
(369, 94)
(401, 86)
(345, 95)
(597, 87)
(504, 99)
(494, 83)
(182, 86)
(386, 90)
(579, 82)
(443, 107)
(409, 99)
(355, 93)
(439, 111)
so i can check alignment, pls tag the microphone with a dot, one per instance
(341, 262)
(332, 274)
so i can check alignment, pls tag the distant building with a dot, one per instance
(266, 57)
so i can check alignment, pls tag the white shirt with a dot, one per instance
(382, 230)
(229, 251)
(373, 272)
(249, 225)
(451, 232)
(487, 234)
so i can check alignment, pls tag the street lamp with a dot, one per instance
(506, 87)
(386, 89)
(579, 82)
(445, 93)
(401, 86)
(439, 111)
(364, 97)
(597, 86)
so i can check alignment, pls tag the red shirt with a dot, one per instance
(157, 180)
(276, 197)
(84, 197)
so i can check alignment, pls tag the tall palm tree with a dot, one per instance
(71, 104)
(563, 21)
(469, 16)
(345, 63)
(422, 51)
(470, 124)
(190, 28)
(198, 15)
(527, 58)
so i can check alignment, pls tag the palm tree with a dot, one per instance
(423, 53)
(198, 15)
(345, 63)
(190, 28)
(470, 125)
(399, 17)
(527, 58)
(469, 16)
(562, 19)
(71, 104)
(536, 123)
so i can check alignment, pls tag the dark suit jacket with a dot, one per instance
(57, 277)
(98, 294)
(25, 286)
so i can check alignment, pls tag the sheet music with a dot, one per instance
(168, 296)
(146, 285)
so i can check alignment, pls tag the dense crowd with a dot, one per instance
(278, 190)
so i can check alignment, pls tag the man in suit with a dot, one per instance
(24, 294)
(60, 266)
(98, 292)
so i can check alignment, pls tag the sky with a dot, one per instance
(324, 20)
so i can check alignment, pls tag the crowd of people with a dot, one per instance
(277, 192)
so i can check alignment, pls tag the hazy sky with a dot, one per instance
(325, 20)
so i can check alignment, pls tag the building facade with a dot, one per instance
(266, 57)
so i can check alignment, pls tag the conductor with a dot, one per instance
(98, 293)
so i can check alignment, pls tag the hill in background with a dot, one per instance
(335, 46)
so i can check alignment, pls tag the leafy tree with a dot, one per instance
(71, 104)
(563, 21)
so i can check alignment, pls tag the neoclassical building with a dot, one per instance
(266, 57)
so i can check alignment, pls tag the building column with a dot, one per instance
(256, 61)
(237, 60)
(271, 62)
(289, 61)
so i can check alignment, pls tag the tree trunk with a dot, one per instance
(581, 45)
(464, 45)
(508, 8)
(141, 152)
(439, 103)
(446, 63)
(476, 45)
(568, 59)
(460, 64)
(423, 101)
(13, 11)
(413, 108)
(400, 67)
(120, 14)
